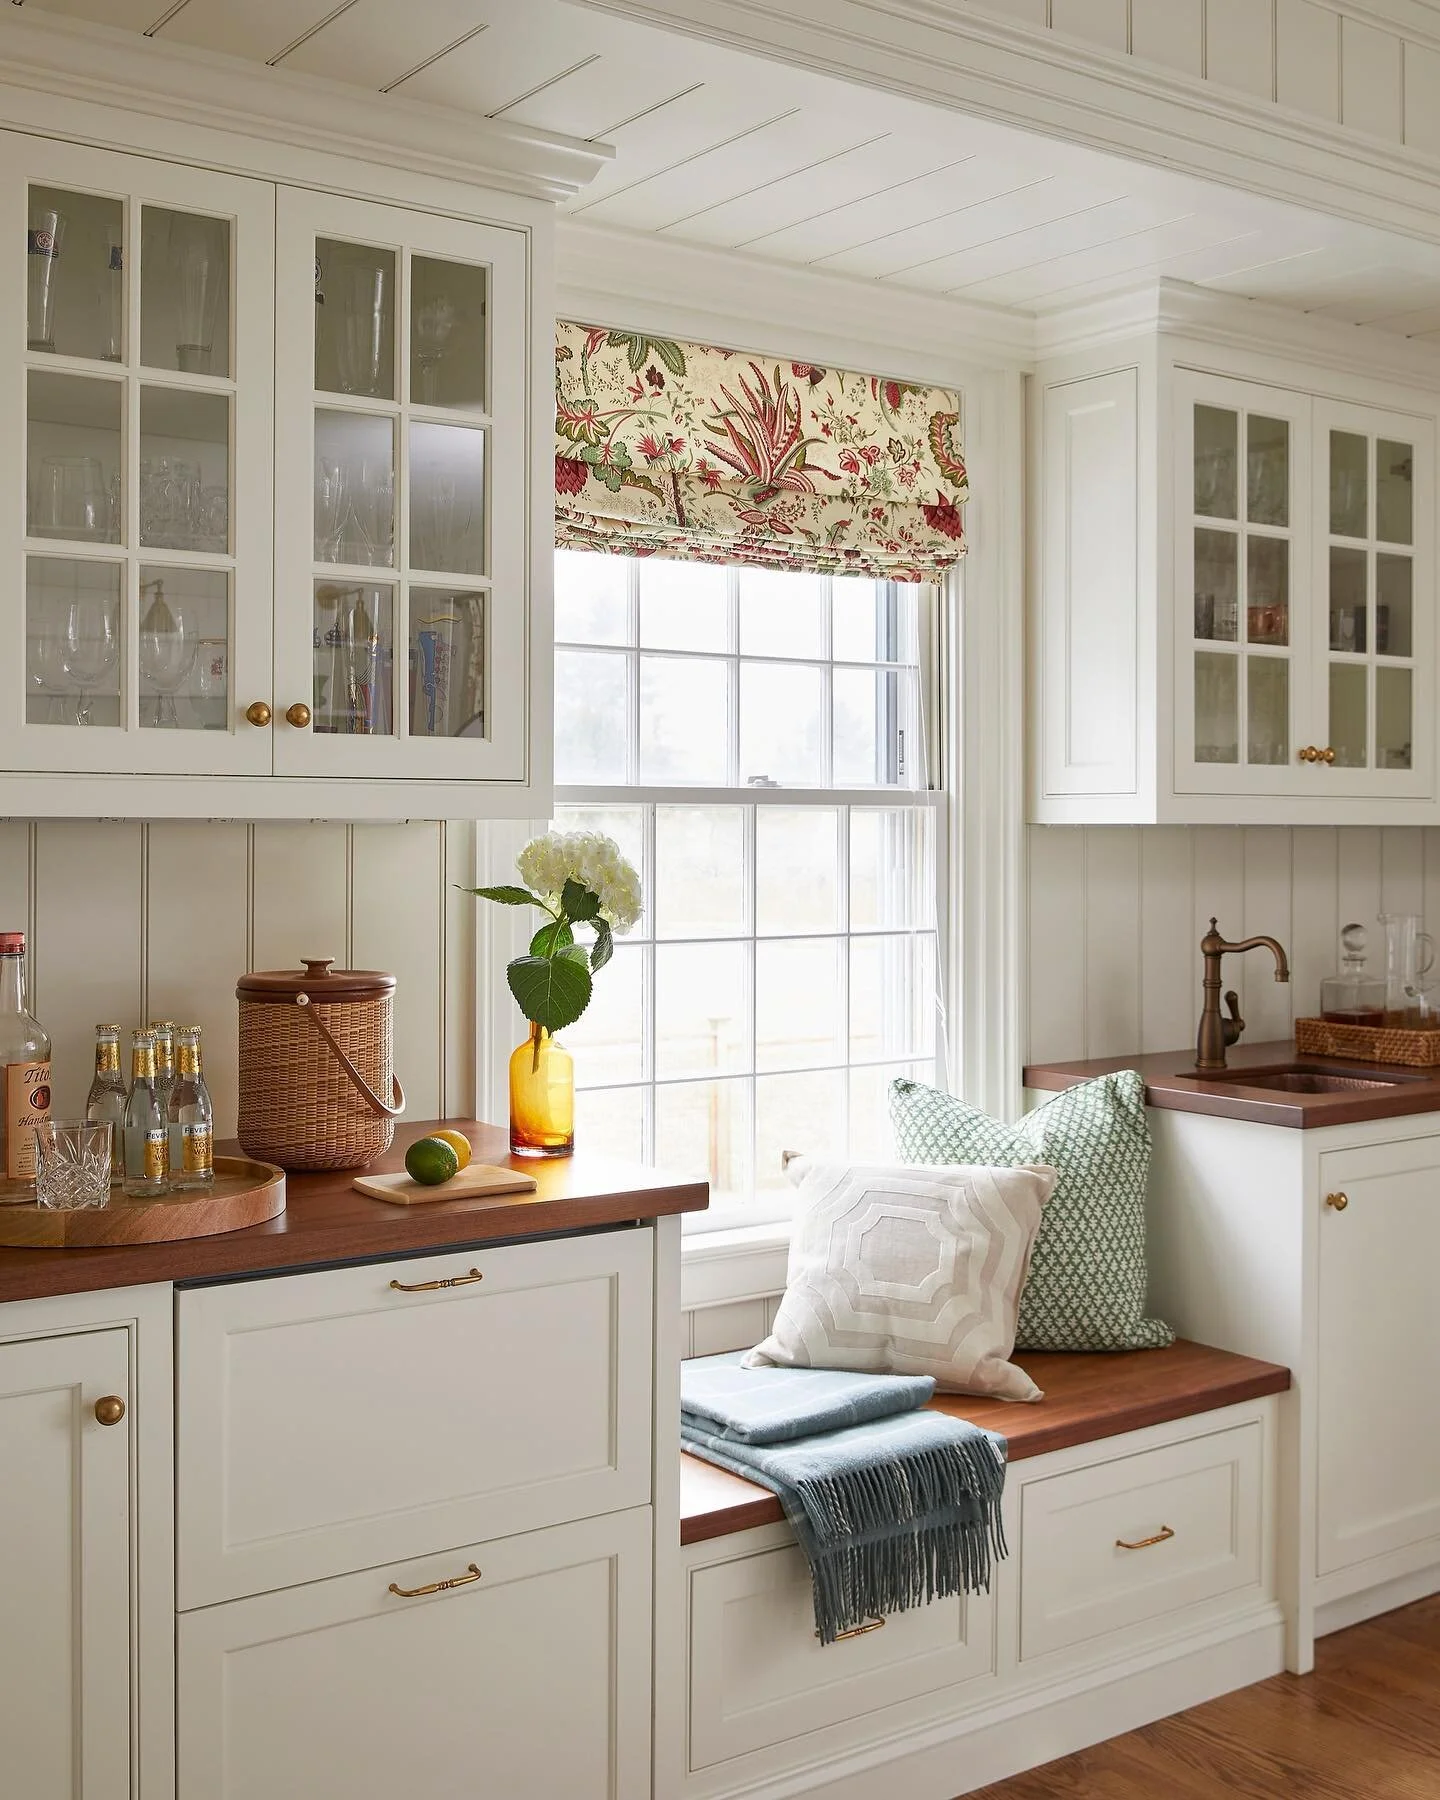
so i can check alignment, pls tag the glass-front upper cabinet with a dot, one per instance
(1373, 505)
(402, 453)
(136, 313)
(1241, 555)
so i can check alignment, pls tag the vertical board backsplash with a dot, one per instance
(1117, 913)
(132, 921)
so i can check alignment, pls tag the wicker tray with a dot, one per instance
(1368, 1043)
(245, 1193)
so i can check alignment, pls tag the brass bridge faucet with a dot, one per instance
(1217, 1032)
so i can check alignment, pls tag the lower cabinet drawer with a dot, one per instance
(532, 1679)
(1126, 1542)
(759, 1675)
(340, 1420)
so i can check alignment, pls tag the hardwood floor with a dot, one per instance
(1364, 1726)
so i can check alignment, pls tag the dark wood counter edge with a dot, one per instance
(1087, 1398)
(1170, 1088)
(327, 1222)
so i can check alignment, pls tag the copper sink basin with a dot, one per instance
(1306, 1078)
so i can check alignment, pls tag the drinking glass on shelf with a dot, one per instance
(112, 305)
(170, 502)
(362, 291)
(372, 511)
(44, 240)
(433, 323)
(213, 520)
(198, 267)
(49, 682)
(332, 509)
(89, 633)
(168, 647)
(71, 500)
(72, 1163)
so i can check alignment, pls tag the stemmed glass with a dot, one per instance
(89, 635)
(167, 653)
(434, 321)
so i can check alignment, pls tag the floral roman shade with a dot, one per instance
(672, 449)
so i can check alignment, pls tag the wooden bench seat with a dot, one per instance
(1087, 1397)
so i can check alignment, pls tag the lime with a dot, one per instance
(458, 1142)
(430, 1160)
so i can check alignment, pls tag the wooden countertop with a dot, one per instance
(1172, 1085)
(1087, 1397)
(326, 1221)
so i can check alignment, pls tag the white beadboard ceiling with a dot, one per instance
(734, 152)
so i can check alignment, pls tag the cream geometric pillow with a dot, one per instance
(909, 1271)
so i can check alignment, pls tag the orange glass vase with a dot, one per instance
(542, 1097)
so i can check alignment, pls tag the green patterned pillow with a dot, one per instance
(1087, 1276)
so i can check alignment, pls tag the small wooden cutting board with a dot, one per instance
(469, 1184)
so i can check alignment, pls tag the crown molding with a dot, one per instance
(948, 54)
(638, 281)
(64, 58)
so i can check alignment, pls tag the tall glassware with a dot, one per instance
(199, 266)
(147, 1140)
(168, 648)
(1409, 956)
(44, 240)
(89, 647)
(105, 1103)
(24, 1076)
(113, 297)
(192, 1119)
(362, 290)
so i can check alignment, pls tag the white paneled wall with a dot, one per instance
(1117, 914)
(133, 922)
(1372, 66)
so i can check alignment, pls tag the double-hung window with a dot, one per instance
(754, 740)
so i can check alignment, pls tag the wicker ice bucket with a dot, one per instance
(315, 1065)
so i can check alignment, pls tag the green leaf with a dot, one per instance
(670, 354)
(550, 939)
(577, 954)
(579, 903)
(604, 946)
(507, 896)
(551, 991)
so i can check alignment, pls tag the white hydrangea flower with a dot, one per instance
(595, 861)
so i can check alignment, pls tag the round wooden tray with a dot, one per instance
(245, 1193)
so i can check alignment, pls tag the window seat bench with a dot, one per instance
(1140, 1513)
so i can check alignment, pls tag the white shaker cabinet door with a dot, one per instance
(65, 1600)
(1379, 1360)
(526, 1678)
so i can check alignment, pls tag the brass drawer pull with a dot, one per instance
(1160, 1537)
(426, 1287)
(438, 1587)
(1338, 1201)
(858, 1631)
(110, 1409)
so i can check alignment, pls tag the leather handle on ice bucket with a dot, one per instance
(366, 1092)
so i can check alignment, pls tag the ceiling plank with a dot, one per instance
(374, 42)
(257, 31)
(1124, 259)
(124, 15)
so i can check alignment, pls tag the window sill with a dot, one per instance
(747, 1262)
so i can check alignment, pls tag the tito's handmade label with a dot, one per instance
(199, 1158)
(27, 1102)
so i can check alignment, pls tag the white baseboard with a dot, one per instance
(1045, 1723)
(1354, 1609)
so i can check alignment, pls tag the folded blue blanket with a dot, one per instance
(893, 1509)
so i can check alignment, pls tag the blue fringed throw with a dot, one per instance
(893, 1506)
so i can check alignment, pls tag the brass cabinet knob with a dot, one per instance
(1327, 755)
(110, 1409)
(258, 713)
(298, 715)
(1338, 1201)
(1309, 753)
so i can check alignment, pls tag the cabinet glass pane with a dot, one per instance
(354, 489)
(1217, 708)
(447, 663)
(1394, 492)
(1394, 580)
(354, 319)
(354, 639)
(1349, 484)
(1217, 585)
(72, 641)
(1267, 471)
(1348, 610)
(184, 648)
(1392, 719)
(1267, 590)
(447, 333)
(75, 274)
(447, 499)
(1268, 706)
(184, 469)
(184, 291)
(73, 458)
(590, 729)
(1217, 462)
(1348, 718)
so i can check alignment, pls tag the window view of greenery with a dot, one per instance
(785, 969)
